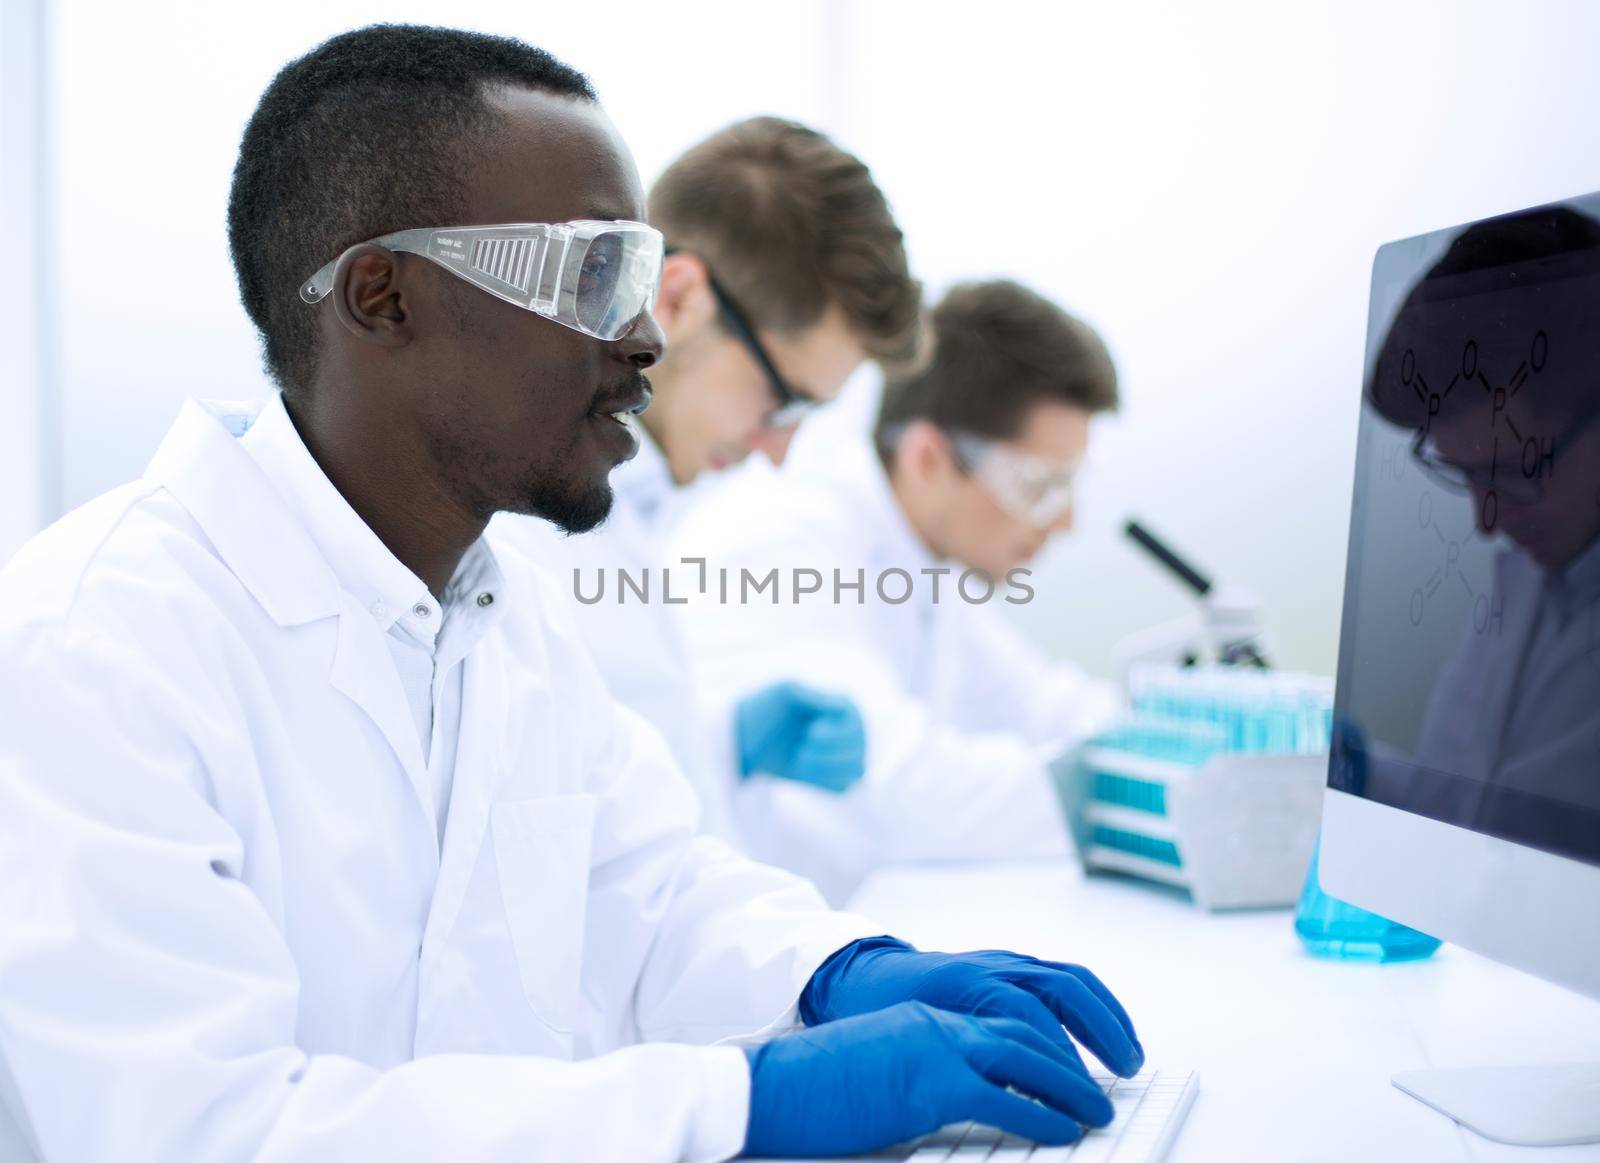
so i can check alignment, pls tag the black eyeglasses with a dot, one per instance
(1521, 480)
(792, 407)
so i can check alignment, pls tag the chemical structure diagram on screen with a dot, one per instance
(1484, 615)
(1535, 457)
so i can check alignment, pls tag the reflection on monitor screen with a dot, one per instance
(1469, 668)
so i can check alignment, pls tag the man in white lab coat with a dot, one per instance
(885, 557)
(785, 271)
(321, 837)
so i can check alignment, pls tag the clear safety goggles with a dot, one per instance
(1030, 488)
(593, 276)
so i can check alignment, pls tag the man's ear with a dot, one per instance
(367, 298)
(684, 303)
(923, 453)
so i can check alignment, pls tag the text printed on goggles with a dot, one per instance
(593, 276)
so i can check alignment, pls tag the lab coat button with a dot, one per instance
(486, 599)
(422, 609)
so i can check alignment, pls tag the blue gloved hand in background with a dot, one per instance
(796, 732)
(866, 1082)
(878, 972)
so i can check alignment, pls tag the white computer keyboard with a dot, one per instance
(1149, 1110)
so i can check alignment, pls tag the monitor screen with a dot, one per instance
(1469, 657)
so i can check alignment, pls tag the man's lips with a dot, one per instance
(630, 403)
(618, 433)
(618, 413)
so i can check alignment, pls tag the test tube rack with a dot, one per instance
(1217, 795)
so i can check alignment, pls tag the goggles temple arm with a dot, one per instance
(745, 334)
(316, 288)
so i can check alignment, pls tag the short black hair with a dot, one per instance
(999, 349)
(371, 131)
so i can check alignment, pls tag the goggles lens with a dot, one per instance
(1029, 487)
(790, 415)
(616, 281)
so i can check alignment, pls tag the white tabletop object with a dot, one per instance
(1294, 1053)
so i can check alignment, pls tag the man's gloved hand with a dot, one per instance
(879, 971)
(866, 1082)
(797, 732)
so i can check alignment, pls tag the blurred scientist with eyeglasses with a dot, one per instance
(893, 564)
(785, 271)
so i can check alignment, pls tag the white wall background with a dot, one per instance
(29, 473)
(1206, 184)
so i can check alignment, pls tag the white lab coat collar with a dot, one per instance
(270, 542)
(365, 567)
(859, 468)
(272, 554)
(306, 520)
(1577, 584)
(1569, 590)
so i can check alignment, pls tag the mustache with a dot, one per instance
(632, 395)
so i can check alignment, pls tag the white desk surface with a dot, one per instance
(1294, 1052)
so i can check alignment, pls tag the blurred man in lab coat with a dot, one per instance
(785, 271)
(322, 837)
(892, 561)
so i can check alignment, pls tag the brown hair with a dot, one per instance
(998, 350)
(788, 223)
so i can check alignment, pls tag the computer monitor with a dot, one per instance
(1463, 790)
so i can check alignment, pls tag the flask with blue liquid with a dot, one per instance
(1330, 927)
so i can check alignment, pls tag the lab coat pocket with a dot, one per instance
(541, 850)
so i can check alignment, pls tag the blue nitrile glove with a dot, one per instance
(869, 1081)
(797, 732)
(878, 972)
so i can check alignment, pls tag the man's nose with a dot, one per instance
(774, 442)
(644, 343)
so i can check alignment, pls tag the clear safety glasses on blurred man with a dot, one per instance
(901, 556)
(784, 272)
